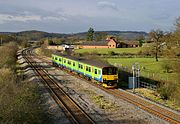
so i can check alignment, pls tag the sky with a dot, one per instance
(72, 16)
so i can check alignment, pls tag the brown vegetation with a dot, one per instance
(19, 100)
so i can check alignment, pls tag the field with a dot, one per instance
(107, 50)
(148, 67)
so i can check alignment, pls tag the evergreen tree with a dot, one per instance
(90, 34)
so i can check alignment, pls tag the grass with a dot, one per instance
(148, 67)
(106, 50)
(101, 101)
(153, 95)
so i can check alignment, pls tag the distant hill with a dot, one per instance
(127, 35)
(37, 35)
(33, 34)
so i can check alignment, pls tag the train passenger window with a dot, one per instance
(89, 69)
(69, 62)
(64, 61)
(86, 68)
(95, 71)
(79, 66)
(73, 63)
(55, 58)
(59, 59)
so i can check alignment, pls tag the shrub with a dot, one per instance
(111, 53)
(167, 67)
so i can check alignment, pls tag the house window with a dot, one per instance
(95, 71)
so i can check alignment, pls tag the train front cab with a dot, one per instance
(109, 77)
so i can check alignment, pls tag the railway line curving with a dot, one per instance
(150, 107)
(72, 110)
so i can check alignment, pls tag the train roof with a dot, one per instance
(86, 61)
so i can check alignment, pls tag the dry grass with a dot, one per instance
(19, 100)
(153, 95)
(101, 101)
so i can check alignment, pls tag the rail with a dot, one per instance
(73, 110)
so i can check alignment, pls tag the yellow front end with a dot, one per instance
(109, 81)
(109, 77)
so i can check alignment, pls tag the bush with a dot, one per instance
(19, 101)
(111, 53)
(167, 67)
(8, 56)
(170, 90)
(166, 90)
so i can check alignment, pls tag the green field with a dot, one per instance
(107, 50)
(148, 67)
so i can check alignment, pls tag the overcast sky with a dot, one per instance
(71, 16)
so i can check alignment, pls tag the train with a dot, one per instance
(103, 73)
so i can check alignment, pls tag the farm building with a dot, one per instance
(108, 43)
(63, 47)
(127, 44)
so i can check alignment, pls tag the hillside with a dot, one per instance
(37, 35)
(33, 34)
(127, 35)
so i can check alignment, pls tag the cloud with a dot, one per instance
(106, 4)
(60, 18)
(6, 17)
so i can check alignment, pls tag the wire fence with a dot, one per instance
(147, 85)
(126, 72)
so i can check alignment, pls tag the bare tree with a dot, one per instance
(177, 32)
(157, 37)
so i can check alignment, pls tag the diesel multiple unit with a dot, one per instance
(102, 72)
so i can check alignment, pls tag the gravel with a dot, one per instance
(102, 107)
(54, 112)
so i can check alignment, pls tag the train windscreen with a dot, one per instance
(109, 71)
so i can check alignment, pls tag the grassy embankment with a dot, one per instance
(19, 98)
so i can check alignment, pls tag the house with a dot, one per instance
(63, 47)
(108, 43)
(127, 44)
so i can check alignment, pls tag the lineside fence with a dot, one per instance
(142, 82)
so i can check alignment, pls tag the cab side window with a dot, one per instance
(99, 72)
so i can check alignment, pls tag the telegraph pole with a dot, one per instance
(133, 68)
(136, 73)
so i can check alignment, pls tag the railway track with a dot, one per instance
(72, 110)
(161, 112)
